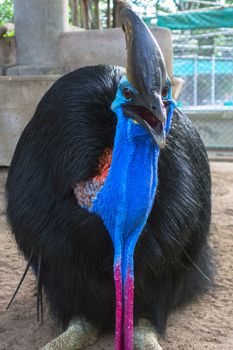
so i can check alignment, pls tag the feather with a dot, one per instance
(21, 280)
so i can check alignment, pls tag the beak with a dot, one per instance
(152, 121)
(146, 71)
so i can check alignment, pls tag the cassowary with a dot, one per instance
(108, 198)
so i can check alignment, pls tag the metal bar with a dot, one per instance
(202, 2)
(213, 81)
(202, 46)
(222, 148)
(204, 57)
(195, 82)
(204, 35)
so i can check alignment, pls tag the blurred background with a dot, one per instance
(200, 57)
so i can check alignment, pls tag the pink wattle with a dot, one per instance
(119, 307)
(124, 310)
(128, 311)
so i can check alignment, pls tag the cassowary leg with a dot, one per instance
(78, 335)
(145, 337)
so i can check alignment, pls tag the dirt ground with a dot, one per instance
(206, 324)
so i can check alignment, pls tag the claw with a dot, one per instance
(145, 337)
(78, 335)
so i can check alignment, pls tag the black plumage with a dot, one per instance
(62, 144)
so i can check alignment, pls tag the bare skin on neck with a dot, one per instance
(86, 191)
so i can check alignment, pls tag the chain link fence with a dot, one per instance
(204, 60)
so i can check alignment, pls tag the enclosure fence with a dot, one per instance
(204, 60)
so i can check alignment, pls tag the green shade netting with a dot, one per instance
(216, 18)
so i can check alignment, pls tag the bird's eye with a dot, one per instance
(165, 91)
(127, 93)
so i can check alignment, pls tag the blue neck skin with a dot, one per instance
(127, 196)
(126, 199)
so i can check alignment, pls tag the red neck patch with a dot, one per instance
(86, 191)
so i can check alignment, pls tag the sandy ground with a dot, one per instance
(206, 324)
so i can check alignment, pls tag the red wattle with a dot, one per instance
(104, 166)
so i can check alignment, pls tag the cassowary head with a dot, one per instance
(144, 92)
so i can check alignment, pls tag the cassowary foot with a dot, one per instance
(145, 337)
(78, 335)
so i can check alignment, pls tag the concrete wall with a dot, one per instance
(82, 48)
(38, 24)
(105, 47)
(214, 125)
(19, 97)
(7, 53)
